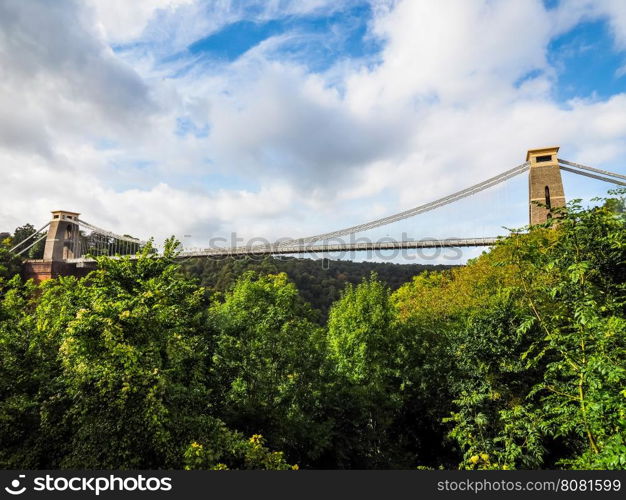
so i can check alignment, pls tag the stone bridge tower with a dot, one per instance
(63, 234)
(545, 186)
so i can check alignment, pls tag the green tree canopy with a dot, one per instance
(266, 364)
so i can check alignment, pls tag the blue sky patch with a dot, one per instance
(185, 126)
(550, 4)
(528, 76)
(587, 63)
(235, 39)
(318, 40)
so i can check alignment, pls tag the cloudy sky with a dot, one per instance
(291, 117)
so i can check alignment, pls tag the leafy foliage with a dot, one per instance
(9, 262)
(231, 451)
(544, 363)
(363, 385)
(267, 355)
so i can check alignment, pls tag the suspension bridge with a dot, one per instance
(72, 244)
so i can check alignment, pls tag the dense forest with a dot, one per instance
(319, 282)
(516, 360)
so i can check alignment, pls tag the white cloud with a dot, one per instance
(122, 21)
(452, 51)
(63, 82)
(614, 11)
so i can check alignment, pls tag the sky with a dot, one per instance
(285, 118)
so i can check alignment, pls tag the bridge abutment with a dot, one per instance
(41, 270)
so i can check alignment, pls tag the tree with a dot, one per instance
(25, 374)
(10, 263)
(266, 365)
(24, 232)
(545, 361)
(363, 395)
(577, 300)
(133, 362)
(112, 371)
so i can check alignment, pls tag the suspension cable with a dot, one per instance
(32, 244)
(416, 210)
(31, 236)
(591, 169)
(593, 176)
(104, 232)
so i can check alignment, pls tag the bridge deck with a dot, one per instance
(326, 248)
